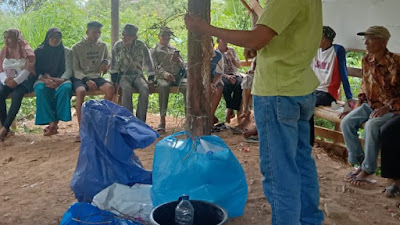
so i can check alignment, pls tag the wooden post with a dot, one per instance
(114, 21)
(198, 111)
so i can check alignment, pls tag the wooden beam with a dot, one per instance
(114, 21)
(256, 7)
(354, 72)
(335, 136)
(198, 102)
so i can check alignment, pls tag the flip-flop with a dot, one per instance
(351, 175)
(221, 126)
(392, 191)
(51, 131)
(252, 139)
(361, 181)
(215, 129)
(161, 128)
(236, 130)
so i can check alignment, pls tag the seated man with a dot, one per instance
(217, 86)
(329, 64)
(247, 83)
(129, 56)
(378, 99)
(231, 78)
(90, 62)
(170, 69)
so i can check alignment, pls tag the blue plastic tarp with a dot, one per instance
(109, 134)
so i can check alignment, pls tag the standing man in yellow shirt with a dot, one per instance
(287, 36)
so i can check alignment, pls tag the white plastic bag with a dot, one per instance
(131, 202)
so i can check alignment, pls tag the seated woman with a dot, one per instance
(17, 75)
(53, 89)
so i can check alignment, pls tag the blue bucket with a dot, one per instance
(204, 213)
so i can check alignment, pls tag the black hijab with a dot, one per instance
(50, 60)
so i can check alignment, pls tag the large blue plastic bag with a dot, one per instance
(204, 168)
(85, 213)
(109, 133)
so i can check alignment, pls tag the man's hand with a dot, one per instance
(380, 112)
(169, 77)
(231, 78)
(249, 53)
(196, 24)
(92, 85)
(230, 54)
(342, 115)
(11, 83)
(104, 68)
(213, 88)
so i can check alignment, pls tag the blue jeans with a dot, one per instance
(350, 125)
(290, 179)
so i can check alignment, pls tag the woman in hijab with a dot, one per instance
(17, 75)
(53, 89)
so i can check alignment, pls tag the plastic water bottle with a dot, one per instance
(184, 212)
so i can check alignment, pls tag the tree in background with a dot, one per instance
(23, 5)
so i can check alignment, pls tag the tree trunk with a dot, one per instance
(198, 111)
(114, 21)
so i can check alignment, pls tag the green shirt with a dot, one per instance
(283, 65)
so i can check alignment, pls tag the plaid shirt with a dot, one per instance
(381, 81)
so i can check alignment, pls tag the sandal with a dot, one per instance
(251, 139)
(361, 181)
(215, 129)
(236, 130)
(221, 126)
(351, 175)
(392, 191)
(161, 128)
(49, 131)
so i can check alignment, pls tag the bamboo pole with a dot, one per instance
(198, 111)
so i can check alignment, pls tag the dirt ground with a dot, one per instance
(35, 173)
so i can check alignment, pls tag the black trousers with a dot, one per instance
(233, 93)
(390, 148)
(17, 95)
(323, 99)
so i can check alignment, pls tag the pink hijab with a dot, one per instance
(22, 51)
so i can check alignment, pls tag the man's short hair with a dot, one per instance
(130, 29)
(94, 25)
(328, 33)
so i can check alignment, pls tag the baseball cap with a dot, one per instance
(377, 31)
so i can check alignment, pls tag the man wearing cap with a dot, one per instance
(170, 69)
(378, 100)
(329, 64)
(129, 56)
(90, 63)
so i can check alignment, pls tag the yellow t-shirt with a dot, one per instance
(283, 66)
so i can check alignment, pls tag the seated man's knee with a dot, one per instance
(372, 125)
(144, 90)
(80, 92)
(109, 89)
